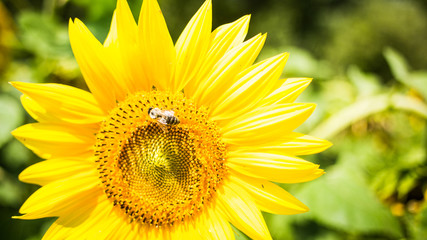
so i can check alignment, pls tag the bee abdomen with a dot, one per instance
(172, 120)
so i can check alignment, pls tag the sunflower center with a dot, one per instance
(159, 158)
(160, 166)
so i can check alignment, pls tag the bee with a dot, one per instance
(164, 117)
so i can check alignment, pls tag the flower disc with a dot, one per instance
(159, 173)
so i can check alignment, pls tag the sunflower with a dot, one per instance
(173, 141)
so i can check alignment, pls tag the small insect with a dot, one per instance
(164, 117)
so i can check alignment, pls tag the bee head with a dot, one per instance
(151, 113)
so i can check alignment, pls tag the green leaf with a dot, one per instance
(367, 84)
(418, 224)
(43, 35)
(280, 226)
(351, 114)
(16, 155)
(365, 107)
(11, 116)
(10, 190)
(97, 8)
(399, 66)
(385, 182)
(409, 103)
(342, 200)
(412, 157)
(406, 184)
(238, 234)
(418, 81)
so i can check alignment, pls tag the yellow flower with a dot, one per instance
(173, 141)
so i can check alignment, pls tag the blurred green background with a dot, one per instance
(367, 58)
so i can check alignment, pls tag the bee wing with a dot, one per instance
(163, 121)
(168, 113)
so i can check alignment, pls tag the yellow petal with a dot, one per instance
(155, 234)
(274, 167)
(92, 59)
(125, 53)
(212, 225)
(192, 46)
(263, 125)
(36, 111)
(292, 144)
(42, 115)
(52, 170)
(224, 38)
(53, 140)
(156, 45)
(94, 220)
(125, 231)
(62, 196)
(242, 212)
(126, 25)
(112, 34)
(287, 92)
(61, 102)
(222, 75)
(268, 196)
(217, 226)
(253, 85)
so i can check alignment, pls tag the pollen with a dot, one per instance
(158, 173)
